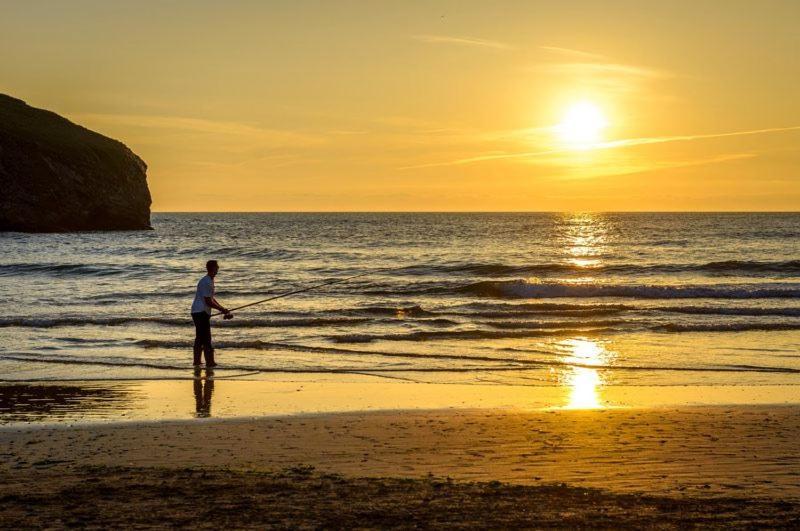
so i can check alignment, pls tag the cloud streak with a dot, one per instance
(570, 52)
(613, 170)
(203, 126)
(630, 142)
(602, 69)
(463, 41)
(687, 138)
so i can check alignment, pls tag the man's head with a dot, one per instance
(212, 267)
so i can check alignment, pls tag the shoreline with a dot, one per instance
(18, 427)
(99, 402)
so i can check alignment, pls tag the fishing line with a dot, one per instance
(294, 292)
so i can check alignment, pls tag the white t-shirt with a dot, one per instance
(205, 288)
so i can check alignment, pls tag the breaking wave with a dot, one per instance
(522, 289)
(735, 267)
(487, 363)
(701, 310)
(177, 321)
(87, 270)
(469, 334)
(726, 327)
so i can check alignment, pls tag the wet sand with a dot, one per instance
(643, 459)
(298, 394)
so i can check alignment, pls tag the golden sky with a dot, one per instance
(431, 105)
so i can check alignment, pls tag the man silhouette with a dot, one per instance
(204, 302)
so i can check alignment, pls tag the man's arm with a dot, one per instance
(211, 301)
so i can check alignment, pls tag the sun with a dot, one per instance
(582, 125)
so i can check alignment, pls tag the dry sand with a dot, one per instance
(689, 463)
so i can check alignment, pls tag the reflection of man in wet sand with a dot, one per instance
(203, 389)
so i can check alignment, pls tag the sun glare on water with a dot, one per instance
(582, 125)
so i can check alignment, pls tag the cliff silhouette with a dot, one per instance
(57, 176)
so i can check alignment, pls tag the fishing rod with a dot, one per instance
(302, 290)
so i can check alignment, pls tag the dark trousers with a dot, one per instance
(202, 338)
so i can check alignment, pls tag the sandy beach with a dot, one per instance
(666, 467)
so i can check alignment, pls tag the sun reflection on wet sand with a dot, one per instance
(584, 382)
(583, 389)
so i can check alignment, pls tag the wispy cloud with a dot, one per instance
(487, 157)
(685, 138)
(616, 144)
(603, 76)
(277, 160)
(613, 168)
(203, 126)
(570, 52)
(588, 69)
(463, 41)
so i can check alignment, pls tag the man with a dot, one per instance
(203, 303)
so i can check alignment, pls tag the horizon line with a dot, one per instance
(474, 211)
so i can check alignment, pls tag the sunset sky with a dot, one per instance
(435, 105)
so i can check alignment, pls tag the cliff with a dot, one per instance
(56, 176)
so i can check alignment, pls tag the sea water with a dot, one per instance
(528, 299)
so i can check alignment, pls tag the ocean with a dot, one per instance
(527, 299)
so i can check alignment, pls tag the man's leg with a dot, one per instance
(208, 348)
(209, 352)
(198, 337)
